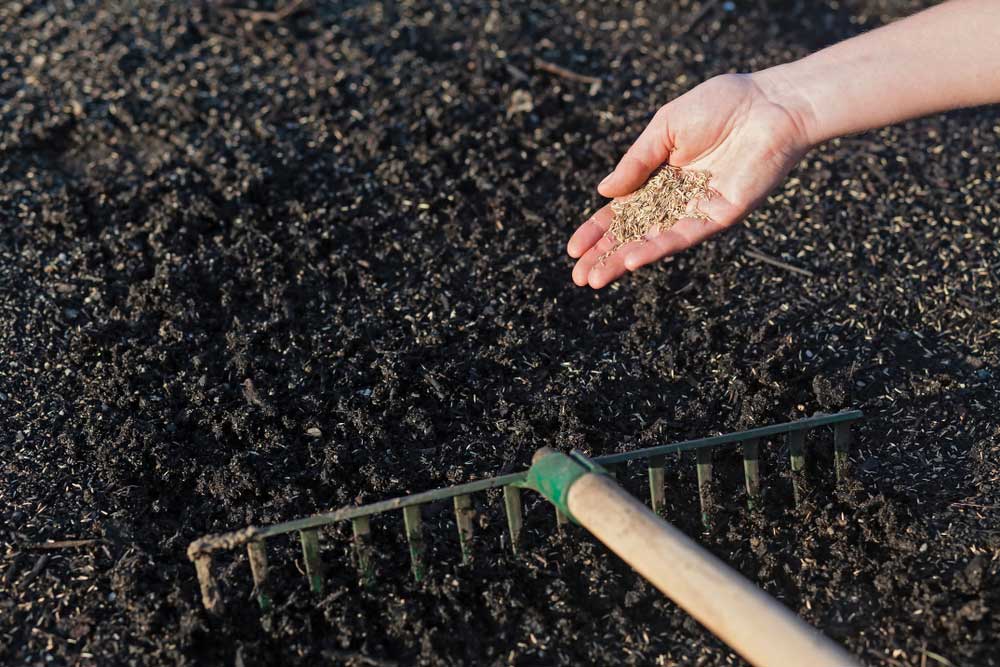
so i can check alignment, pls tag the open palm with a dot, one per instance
(728, 126)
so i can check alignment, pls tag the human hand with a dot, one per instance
(747, 130)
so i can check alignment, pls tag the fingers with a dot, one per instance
(649, 151)
(589, 232)
(581, 271)
(591, 270)
(657, 247)
(596, 272)
(612, 268)
(687, 232)
(665, 244)
(591, 242)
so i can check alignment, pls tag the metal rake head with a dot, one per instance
(200, 551)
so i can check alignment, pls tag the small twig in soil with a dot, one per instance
(706, 7)
(276, 16)
(978, 507)
(767, 259)
(436, 386)
(8, 575)
(35, 571)
(937, 657)
(351, 658)
(882, 656)
(517, 73)
(48, 635)
(58, 544)
(558, 70)
(250, 393)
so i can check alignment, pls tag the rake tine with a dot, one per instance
(464, 513)
(561, 519)
(515, 519)
(657, 495)
(797, 454)
(210, 597)
(415, 538)
(310, 554)
(841, 448)
(362, 548)
(257, 551)
(704, 477)
(751, 471)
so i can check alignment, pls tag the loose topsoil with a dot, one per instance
(257, 265)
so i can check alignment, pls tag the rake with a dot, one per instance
(584, 491)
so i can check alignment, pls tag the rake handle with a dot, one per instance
(751, 622)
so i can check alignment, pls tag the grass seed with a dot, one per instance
(664, 199)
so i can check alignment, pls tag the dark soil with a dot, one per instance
(219, 232)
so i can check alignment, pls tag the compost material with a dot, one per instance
(259, 262)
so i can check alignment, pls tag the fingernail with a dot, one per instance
(606, 179)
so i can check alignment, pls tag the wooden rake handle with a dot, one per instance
(754, 624)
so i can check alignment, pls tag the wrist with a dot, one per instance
(781, 86)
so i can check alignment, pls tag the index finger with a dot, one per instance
(649, 151)
(590, 232)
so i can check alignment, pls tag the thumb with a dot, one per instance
(649, 151)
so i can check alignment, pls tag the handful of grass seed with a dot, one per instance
(663, 200)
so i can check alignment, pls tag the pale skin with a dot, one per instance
(749, 130)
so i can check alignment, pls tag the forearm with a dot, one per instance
(943, 58)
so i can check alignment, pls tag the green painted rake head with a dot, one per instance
(255, 537)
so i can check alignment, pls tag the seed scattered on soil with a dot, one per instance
(665, 198)
(145, 228)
